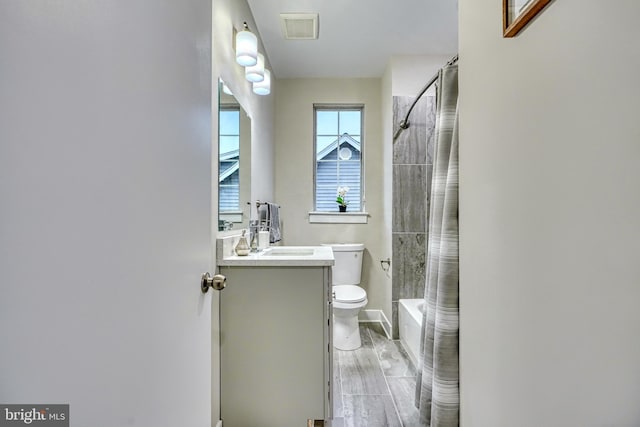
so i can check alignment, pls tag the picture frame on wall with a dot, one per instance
(516, 14)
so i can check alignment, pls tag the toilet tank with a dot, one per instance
(348, 263)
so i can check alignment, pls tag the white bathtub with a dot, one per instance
(410, 326)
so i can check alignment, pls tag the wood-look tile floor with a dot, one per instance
(374, 385)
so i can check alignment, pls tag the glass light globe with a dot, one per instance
(246, 48)
(255, 73)
(263, 87)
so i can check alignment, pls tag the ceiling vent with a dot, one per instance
(299, 26)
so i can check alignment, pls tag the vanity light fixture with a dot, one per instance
(246, 47)
(255, 73)
(263, 87)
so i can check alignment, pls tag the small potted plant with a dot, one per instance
(341, 198)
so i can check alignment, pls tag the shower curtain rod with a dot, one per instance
(404, 124)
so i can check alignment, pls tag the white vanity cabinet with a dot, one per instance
(275, 340)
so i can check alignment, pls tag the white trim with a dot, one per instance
(338, 217)
(370, 316)
(219, 423)
(386, 325)
(366, 316)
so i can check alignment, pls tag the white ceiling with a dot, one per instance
(356, 37)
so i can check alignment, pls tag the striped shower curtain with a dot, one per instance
(437, 387)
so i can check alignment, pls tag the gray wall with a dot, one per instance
(411, 184)
(550, 216)
(294, 173)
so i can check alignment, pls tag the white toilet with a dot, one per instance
(348, 298)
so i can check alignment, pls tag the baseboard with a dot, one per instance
(386, 325)
(367, 316)
(219, 423)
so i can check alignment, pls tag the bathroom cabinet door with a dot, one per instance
(274, 346)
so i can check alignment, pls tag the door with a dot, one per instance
(105, 209)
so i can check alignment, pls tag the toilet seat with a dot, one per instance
(349, 294)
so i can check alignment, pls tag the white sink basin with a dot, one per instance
(280, 256)
(289, 251)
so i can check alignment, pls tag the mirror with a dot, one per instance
(234, 162)
(516, 14)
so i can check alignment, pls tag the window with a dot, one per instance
(338, 156)
(229, 179)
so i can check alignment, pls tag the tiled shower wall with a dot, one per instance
(412, 167)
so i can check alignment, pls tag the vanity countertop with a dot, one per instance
(282, 256)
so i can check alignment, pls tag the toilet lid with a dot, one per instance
(349, 293)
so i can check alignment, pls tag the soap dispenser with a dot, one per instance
(242, 248)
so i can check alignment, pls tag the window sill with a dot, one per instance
(338, 217)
